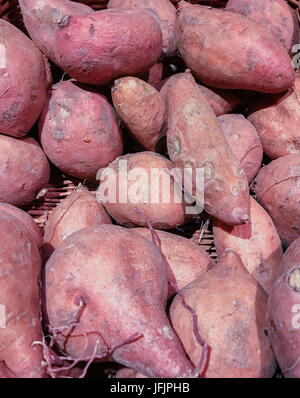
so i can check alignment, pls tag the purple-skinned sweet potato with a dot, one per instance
(79, 130)
(106, 289)
(228, 50)
(24, 81)
(98, 48)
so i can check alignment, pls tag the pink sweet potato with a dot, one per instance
(98, 48)
(24, 170)
(20, 268)
(221, 101)
(79, 130)
(244, 142)
(186, 260)
(228, 50)
(41, 19)
(230, 307)
(257, 243)
(141, 108)
(165, 12)
(275, 15)
(277, 120)
(106, 289)
(138, 187)
(196, 141)
(277, 189)
(23, 83)
(79, 210)
(283, 313)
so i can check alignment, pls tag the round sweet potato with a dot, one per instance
(257, 243)
(24, 81)
(277, 189)
(231, 309)
(24, 170)
(79, 210)
(79, 130)
(244, 142)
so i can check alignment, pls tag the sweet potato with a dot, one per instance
(41, 19)
(277, 189)
(137, 187)
(283, 313)
(230, 307)
(20, 268)
(277, 120)
(228, 50)
(186, 260)
(31, 226)
(23, 83)
(79, 130)
(244, 142)
(98, 48)
(276, 16)
(77, 211)
(24, 170)
(165, 12)
(113, 307)
(126, 373)
(221, 101)
(141, 108)
(256, 242)
(195, 140)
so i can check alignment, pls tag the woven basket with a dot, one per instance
(60, 185)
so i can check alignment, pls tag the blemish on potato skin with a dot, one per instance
(11, 114)
(294, 280)
(175, 147)
(58, 134)
(92, 30)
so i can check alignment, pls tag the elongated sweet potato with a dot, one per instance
(283, 313)
(230, 307)
(98, 48)
(244, 142)
(228, 50)
(277, 120)
(20, 327)
(186, 260)
(24, 170)
(23, 83)
(79, 210)
(257, 243)
(196, 141)
(277, 189)
(41, 19)
(165, 12)
(106, 289)
(277, 16)
(137, 187)
(79, 130)
(141, 108)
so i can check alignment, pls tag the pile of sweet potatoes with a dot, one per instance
(170, 120)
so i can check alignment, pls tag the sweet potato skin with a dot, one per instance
(227, 50)
(41, 20)
(244, 142)
(79, 130)
(231, 309)
(19, 294)
(141, 108)
(221, 101)
(132, 210)
(78, 211)
(257, 243)
(91, 50)
(277, 16)
(23, 83)
(277, 189)
(25, 170)
(195, 140)
(166, 14)
(283, 313)
(277, 120)
(124, 286)
(186, 260)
